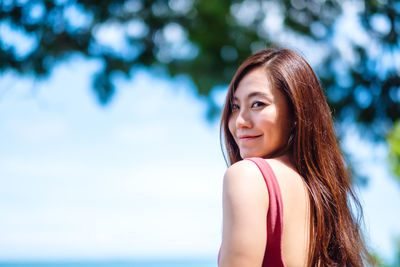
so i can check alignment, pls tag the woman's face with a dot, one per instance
(260, 121)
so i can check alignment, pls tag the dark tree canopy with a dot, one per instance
(207, 39)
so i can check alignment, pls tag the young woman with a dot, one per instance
(288, 203)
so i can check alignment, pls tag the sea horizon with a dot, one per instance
(208, 262)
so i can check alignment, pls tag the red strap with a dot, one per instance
(273, 251)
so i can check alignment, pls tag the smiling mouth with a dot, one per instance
(248, 137)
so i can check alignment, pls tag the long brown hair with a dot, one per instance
(335, 238)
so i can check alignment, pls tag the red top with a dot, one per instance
(273, 251)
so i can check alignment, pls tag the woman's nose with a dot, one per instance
(243, 120)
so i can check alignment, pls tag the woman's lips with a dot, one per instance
(248, 137)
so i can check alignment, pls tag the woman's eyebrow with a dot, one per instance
(253, 94)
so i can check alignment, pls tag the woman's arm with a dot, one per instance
(245, 207)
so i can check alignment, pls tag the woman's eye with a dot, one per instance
(234, 107)
(257, 104)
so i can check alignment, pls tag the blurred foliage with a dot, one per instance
(393, 140)
(397, 254)
(207, 39)
(378, 262)
(395, 262)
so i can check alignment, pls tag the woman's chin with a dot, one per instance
(250, 154)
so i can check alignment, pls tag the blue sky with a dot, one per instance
(141, 177)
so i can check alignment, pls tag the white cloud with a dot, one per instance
(142, 178)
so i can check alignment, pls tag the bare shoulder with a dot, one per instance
(241, 169)
(245, 207)
(243, 173)
(243, 180)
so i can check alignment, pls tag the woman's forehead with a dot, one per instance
(254, 83)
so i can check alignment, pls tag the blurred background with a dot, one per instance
(109, 121)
